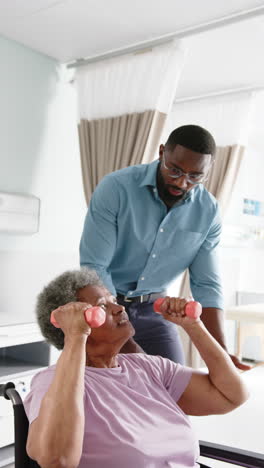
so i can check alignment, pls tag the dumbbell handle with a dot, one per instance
(192, 309)
(94, 316)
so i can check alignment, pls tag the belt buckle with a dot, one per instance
(131, 299)
(127, 299)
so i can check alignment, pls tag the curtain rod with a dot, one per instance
(224, 92)
(192, 30)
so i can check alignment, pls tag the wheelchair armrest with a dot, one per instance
(231, 455)
(9, 392)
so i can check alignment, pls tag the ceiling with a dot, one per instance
(223, 58)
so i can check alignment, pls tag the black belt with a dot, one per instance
(144, 298)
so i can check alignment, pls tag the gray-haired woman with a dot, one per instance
(99, 408)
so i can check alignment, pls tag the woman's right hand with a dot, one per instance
(57, 432)
(71, 319)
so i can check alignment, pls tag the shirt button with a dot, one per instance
(154, 255)
(161, 229)
(142, 278)
(155, 190)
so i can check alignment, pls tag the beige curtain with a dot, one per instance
(224, 173)
(220, 183)
(113, 143)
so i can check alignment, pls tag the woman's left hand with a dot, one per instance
(173, 310)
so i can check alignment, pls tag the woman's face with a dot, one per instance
(117, 328)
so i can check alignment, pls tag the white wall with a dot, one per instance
(39, 155)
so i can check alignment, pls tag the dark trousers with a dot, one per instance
(154, 334)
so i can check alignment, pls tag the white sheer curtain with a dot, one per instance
(130, 83)
(226, 117)
(123, 104)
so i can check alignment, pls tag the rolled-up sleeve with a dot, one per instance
(205, 277)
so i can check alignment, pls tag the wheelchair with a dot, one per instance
(209, 450)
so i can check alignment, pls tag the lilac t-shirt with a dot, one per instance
(132, 419)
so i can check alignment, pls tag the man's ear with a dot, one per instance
(161, 150)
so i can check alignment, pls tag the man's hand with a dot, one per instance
(239, 364)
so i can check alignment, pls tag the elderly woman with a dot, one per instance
(98, 408)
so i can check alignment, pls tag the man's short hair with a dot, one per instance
(193, 137)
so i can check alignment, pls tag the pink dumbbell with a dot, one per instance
(192, 309)
(94, 316)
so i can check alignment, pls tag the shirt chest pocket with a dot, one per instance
(187, 243)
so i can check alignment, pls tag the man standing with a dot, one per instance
(146, 224)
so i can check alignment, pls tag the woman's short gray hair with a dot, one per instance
(58, 292)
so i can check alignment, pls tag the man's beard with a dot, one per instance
(164, 192)
(170, 197)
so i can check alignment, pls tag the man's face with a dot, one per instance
(195, 165)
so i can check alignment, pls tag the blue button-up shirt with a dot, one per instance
(137, 246)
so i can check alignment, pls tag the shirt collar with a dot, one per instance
(150, 178)
(150, 175)
(190, 195)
